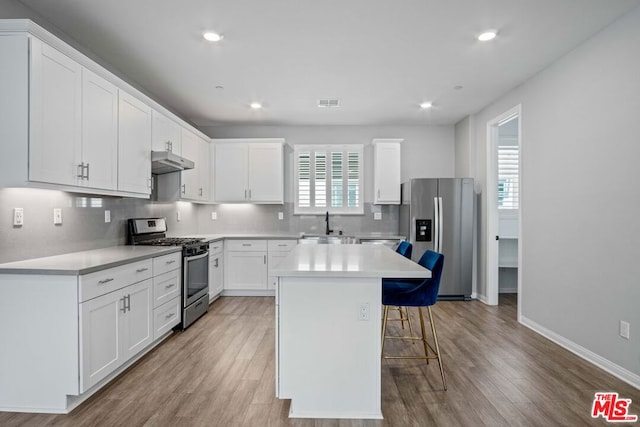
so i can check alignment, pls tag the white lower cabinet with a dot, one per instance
(216, 269)
(114, 327)
(278, 250)
(123, 310)
(167, 286)
(248, 263)
(246, 270)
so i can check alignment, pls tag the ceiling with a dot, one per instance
(380, 58)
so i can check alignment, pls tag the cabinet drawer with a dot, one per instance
(166, 287)
(165, 263)
(105, 281)
(216, 247)
(282, 245)
(166, 317)
(246, 245)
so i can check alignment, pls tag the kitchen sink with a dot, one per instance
(321, 239)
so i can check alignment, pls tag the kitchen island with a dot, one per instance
(328, 328)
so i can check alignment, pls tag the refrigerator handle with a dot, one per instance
(436, 229)
(440, 224)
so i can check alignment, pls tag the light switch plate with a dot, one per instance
(377, 216)
(280, 216)
(57, 216)
(107, 216)
(178, 217)
(214, 216)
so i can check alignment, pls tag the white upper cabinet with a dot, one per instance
(55, 115)
(386, 170)
(166, 134)
(265, 179)
(134, 145)
(98, 167)
(71, 125)
(195, 182)
(249, 171)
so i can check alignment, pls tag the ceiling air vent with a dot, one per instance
(328, 102)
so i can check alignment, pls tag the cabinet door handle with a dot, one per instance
(169, 146)
(169, 316)
(184, 188)
(128, 300)
(87, 177)
(140, 270)
(171, 262)
(102, 282)
(249, 194)
(80, 171)
(378, 193)
(201, 191)
(216, 262)
(170, 286)
(124, 304)
(245, 194)
(265, 259)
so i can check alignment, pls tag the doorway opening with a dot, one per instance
(504, 242)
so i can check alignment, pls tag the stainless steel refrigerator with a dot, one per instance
(437, 214)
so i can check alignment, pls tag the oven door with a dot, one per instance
(196, 277)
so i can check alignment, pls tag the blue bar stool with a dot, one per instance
(405, 249)
(412, 293)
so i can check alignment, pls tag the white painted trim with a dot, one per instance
(586, 354)
(248, 293)
(338, 415)
(492, 214)
(509, 290)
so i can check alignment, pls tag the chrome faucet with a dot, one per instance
(327, 229)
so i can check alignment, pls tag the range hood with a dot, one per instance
(165, 162)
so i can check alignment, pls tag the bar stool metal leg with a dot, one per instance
(435, 338)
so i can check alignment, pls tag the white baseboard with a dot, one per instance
(248, 293)
(588, 355)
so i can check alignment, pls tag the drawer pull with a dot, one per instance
(169, 316)
(216, 263)
(140, 270)
(283, 245)
(246, 244)
(102, 282)
(171, 262)
(170, 286)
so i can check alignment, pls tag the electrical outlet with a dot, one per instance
(18, 217)
(624, 329)
(57, 216)
(178, 217)
(214, 216)
(280, 216)
(377, 216)
(107, 216)
(363, 314)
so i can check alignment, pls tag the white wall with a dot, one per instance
(427, 151)
(580, 196)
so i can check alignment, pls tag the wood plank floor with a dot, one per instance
(220, 372)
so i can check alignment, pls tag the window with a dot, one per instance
(508, 177)
(328, 178)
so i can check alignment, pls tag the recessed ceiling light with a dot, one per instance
(486, 36)
(426, 105)
(255, 105)
(212, 37)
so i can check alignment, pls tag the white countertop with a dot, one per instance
(86, 261)
(348, 261)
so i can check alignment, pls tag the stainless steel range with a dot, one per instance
(195, 263)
